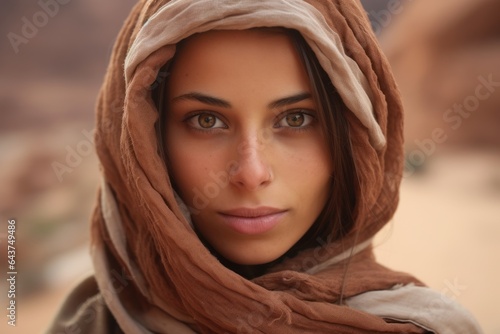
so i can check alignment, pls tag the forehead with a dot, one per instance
(254, 60)
(255, 37)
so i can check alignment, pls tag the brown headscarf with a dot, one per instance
(139, 229)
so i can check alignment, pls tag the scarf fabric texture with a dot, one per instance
(153, 273)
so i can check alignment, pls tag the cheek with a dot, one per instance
(189, 167)
(307, 163)
(309, 171)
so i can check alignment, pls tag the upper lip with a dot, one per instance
(252, 212)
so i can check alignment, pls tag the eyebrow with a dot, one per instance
(206, 99)
(290, 100)
(217, 102)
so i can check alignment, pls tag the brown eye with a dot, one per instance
(295, 120)
(206, 121)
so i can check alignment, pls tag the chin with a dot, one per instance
(255, 259)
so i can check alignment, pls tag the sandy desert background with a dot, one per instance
(446, 230)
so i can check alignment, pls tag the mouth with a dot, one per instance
(252, 221)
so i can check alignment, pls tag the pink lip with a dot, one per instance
(253, 220)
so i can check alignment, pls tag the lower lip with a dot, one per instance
(253, 225)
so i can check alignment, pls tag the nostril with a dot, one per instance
(250, 172)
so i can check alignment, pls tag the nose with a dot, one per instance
(251, 170)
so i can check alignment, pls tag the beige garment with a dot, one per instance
(422, 306)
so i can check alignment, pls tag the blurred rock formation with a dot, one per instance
(446, 58)
(48, 88)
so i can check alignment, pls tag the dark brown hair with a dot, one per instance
(336, 218)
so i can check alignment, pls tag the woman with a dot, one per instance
(257, 152)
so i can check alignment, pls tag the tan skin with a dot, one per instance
(242, 132)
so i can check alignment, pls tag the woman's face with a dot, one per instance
(244, 144)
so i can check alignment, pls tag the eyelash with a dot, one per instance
(303, 112)
(192, 118)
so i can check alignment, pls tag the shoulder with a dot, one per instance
(84, 311)
(422, 306)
